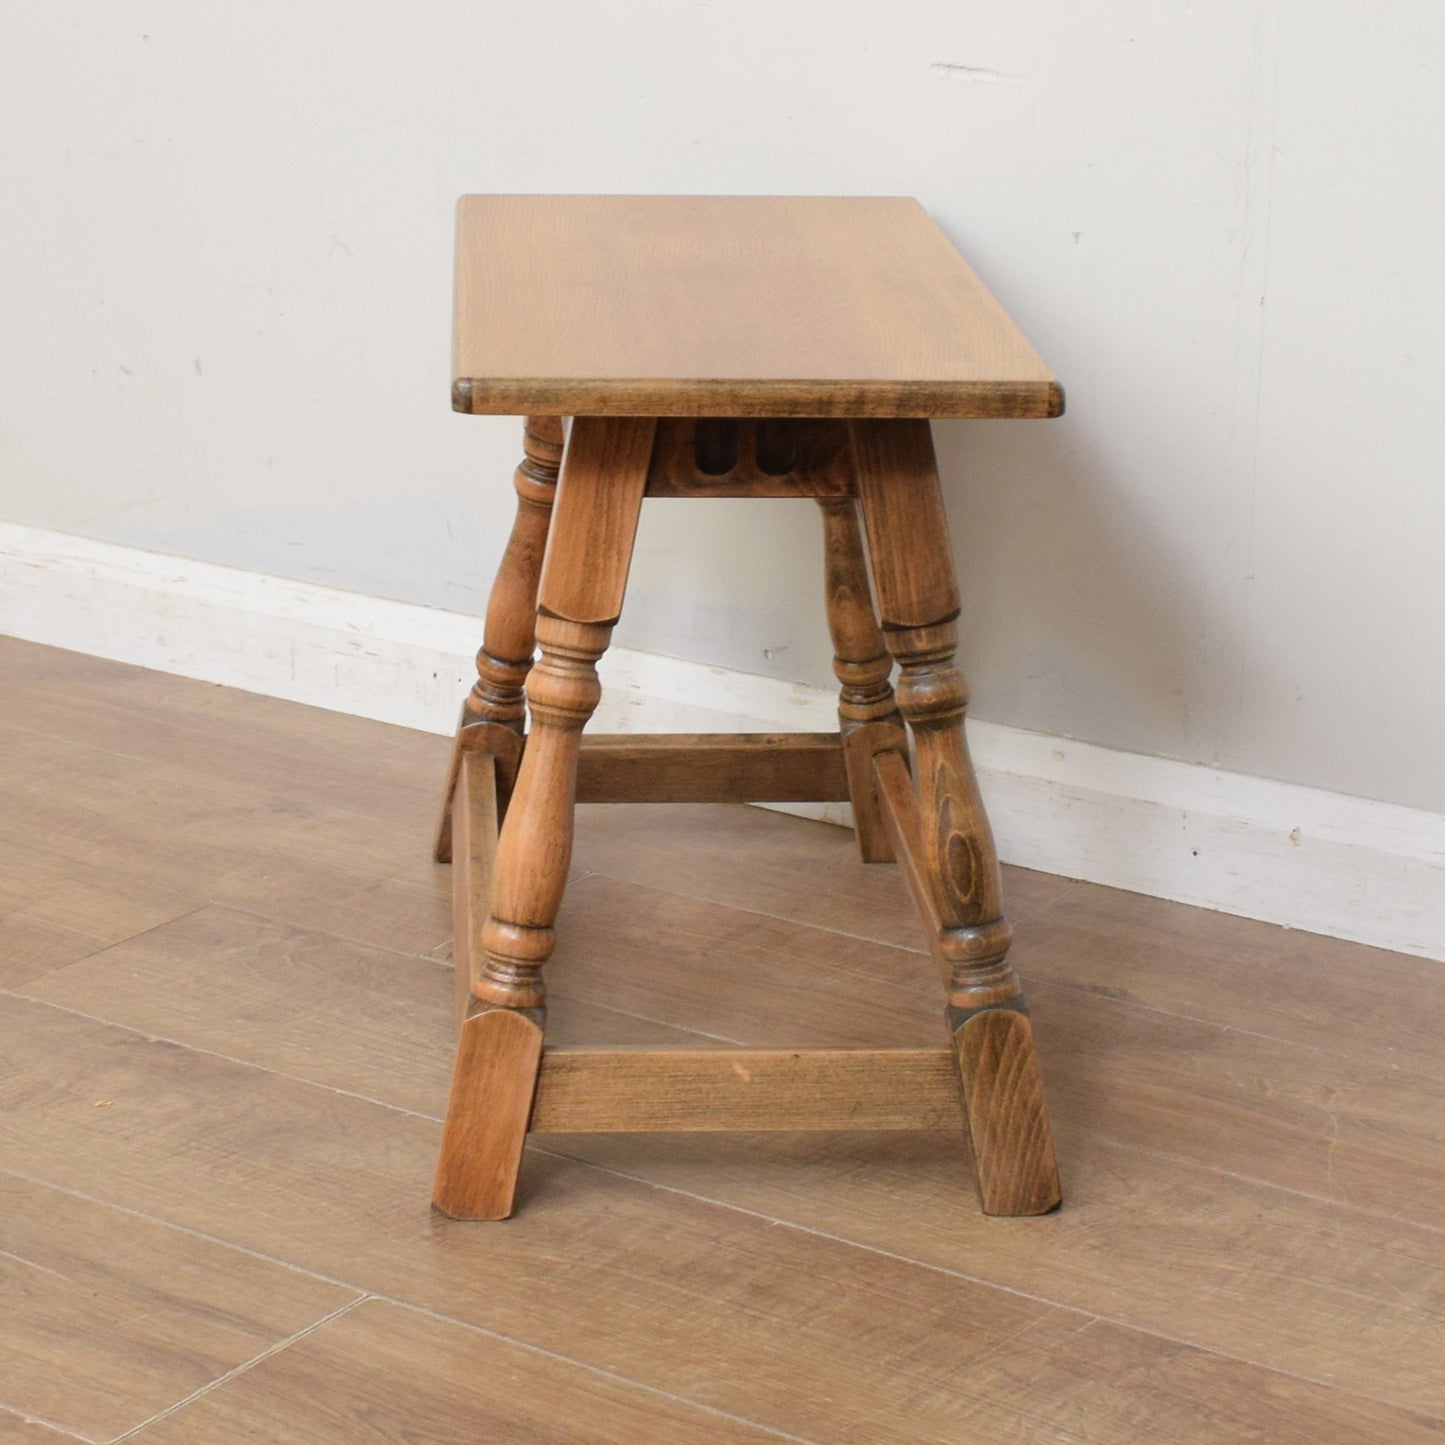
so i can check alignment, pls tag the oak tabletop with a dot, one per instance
(729, 306)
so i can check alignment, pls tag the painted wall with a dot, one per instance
(226, 290)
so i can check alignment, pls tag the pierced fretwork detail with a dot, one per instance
(750, 457)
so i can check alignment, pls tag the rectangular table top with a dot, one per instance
(729, 306)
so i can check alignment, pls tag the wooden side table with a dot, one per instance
(725, 347)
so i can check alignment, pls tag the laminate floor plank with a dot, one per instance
(369, 1020)
(26, 756)
(224, 733)
(761, 861)
(108, 1318)
(1336, 1128)
(53, 913)
(1302, 1286)
(1250, 1247)
(1288, 984)
(1206, 1095)
(1145, 1240)
(1206, 1105)
(721, 1308)
(1381, 1008)
(1098, 1383)
(791, 1329)
(1201, 1093)
(409, 912)
(149, 825)
(383, 1373)
(158, 823)
(749, 977)
(1215, 1097)
(17, 1428)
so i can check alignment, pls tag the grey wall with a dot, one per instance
(226, 293)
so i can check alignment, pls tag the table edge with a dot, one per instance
(531, 396)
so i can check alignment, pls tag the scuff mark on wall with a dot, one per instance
(953, 70)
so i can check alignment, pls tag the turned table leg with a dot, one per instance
(993, 1036)
(868, 715)
(494, 713)
(580, 597)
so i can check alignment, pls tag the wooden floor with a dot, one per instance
(225, 1043)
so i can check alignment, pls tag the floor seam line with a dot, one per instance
(601, 1370)
(189, 1230)
(147, 760)
(254, 911)
(104, 947)
(1031, 979)
(218, 1054)
(1074, 886)
(920, 951)
(240, 1369)
(1003, 1344)
(1324, 1199)
(31, 1418)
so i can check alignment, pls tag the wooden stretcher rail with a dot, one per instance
(619, 1091)
(712, 768)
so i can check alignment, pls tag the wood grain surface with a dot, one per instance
(498, 1056)
(868, 716)
(711, 767)
(474, 852)
(620, 1090)
(729, 306)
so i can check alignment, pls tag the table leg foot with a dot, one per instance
(498, 1056)
(1007, 1121)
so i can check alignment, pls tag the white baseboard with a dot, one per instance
(1323, 862)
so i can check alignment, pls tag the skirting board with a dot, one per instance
(1308, 859)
